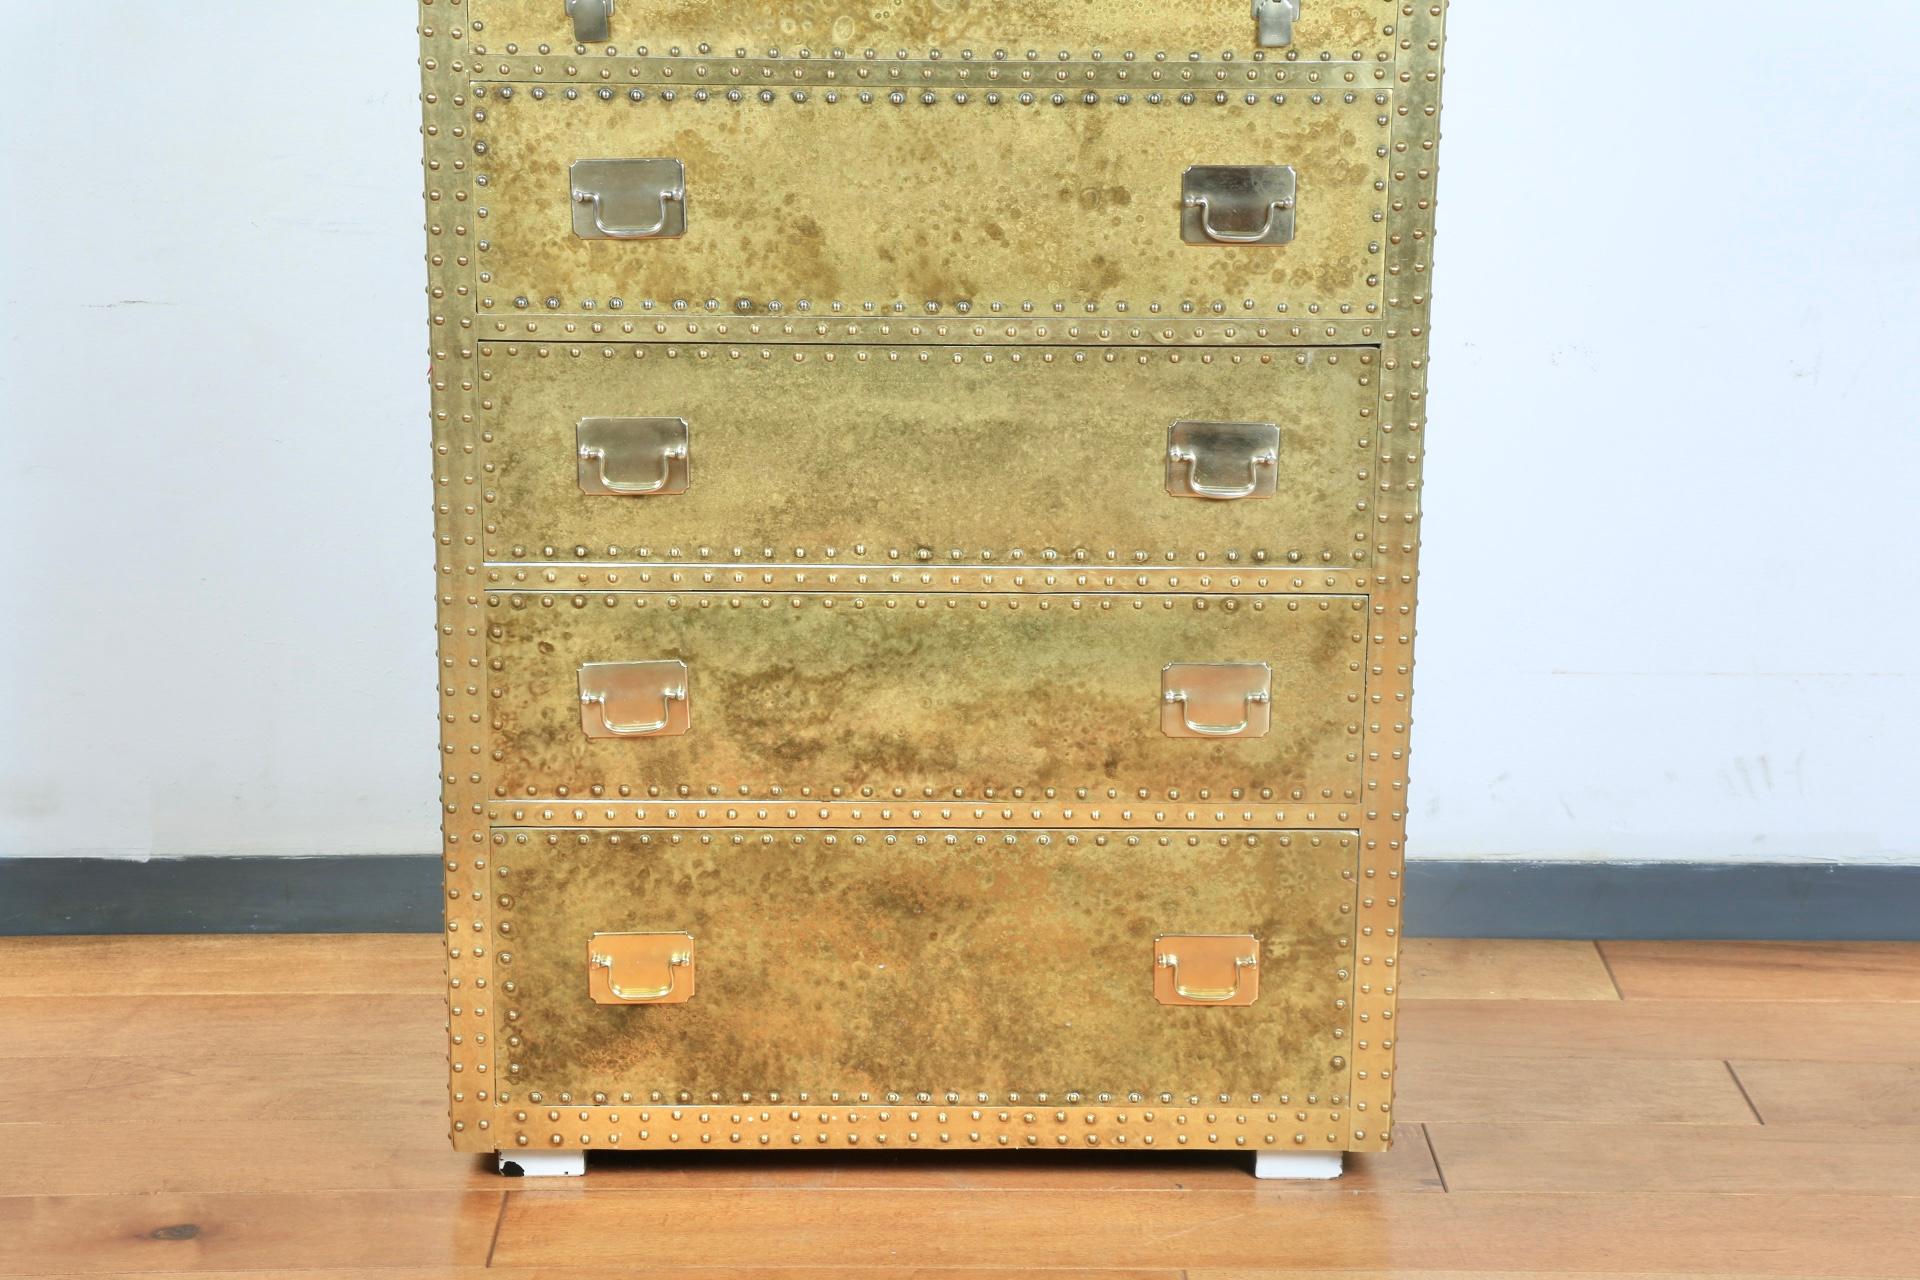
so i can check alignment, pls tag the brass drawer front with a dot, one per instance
(942, 455)
(877, 962)
(882, 698)
(1357, 30)
(950, 203)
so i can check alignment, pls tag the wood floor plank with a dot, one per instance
(225, 1086)
(1433, 1030)
(1575, 1159)
(710, 1273)
(1864, 972)
(905, 1273)
(1832, 1092)
(83, 1235)
(232, 1026)
(220, 964)
(1794, 1235)
(287, 1154)
(1502, 969)
(1466, 1087)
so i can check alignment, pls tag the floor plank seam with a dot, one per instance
(1741, 1085)
(1426, 1131)
(499, 1221)
(1607, 964)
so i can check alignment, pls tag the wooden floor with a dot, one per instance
(260, 1106)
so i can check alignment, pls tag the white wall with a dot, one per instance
(1669, 601)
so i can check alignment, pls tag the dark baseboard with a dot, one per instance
(1445, 899)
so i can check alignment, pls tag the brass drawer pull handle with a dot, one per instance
(1272, 19)
(1246, 686)
(1204, 995)
(1267, 189)
(667, 954)
(667, 458)
(1227, 492)
(1205, 205)
(592, 19)
(653, 185)
(657, 448)
(647, 684)
(1235, 954)
(675, 962)
(1222, 448)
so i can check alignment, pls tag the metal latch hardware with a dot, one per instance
(640, 968)
(1183, 962)
(639, 199)
(1222, 461)
(1272, 20)
(593, 18)
(1216, 699)
(632, 457)
(634, 699)
(1237, 204)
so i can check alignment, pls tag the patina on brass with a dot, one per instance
(932, 323)
(931, 456)
(1024, 206)
(928, 961)
(1358, 29)
(954, 696)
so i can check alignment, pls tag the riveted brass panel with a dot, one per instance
(1346, 29)
(1012, 208)
(958, 697)
(910, 962)
(469, 48)
(948, 455)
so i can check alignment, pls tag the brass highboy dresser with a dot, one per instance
(926, 504)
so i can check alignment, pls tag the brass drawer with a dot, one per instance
(1345, 29)
(996, 206)
(1131, 707)
(850, 967)
(908, 456)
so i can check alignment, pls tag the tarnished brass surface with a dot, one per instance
(903, 190)
(835, 696)
(944, 455)
(1004, 208)
(926, 961)
(1347, 29)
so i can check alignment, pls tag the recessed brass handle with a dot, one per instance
(667, 458)
(1273, 21)
(592, 19)
(1217, 686)
(1223, 450)
(643, 684)
(1207, 995)
(677, 961)
(669, 956)
(1241, 192)
(1234, 955)
(645, 186)
(1180, 697)
(657, 449)
(635, 728)
(1195, 486)
(1205, 205)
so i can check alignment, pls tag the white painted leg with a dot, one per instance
(1298, 1165)
(542, 1164)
